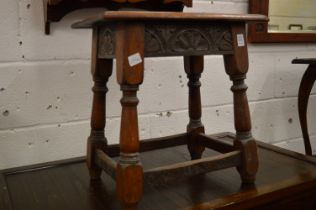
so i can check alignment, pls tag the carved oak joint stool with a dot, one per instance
(129, 36)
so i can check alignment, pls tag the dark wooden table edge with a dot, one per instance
(280, 150)
(270, 197)
(42, 166)
(258, 196)
(278, 194)
(52, 164)
(5, 200)
(296, 155)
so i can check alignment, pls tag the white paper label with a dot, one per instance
(240, 40)
(134, 59)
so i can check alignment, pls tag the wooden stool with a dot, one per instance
(306, 86)
(129, 36)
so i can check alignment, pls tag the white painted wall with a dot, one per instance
(45, 96)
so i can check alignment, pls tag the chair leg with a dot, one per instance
(193, 66)
(306, 86)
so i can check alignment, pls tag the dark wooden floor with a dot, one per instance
(285, 181)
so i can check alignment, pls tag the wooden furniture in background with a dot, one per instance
(306, 86)
(258, 32)
(55, 10)
(130, 36)
(285, 181)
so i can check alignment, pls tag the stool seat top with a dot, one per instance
(117, 16)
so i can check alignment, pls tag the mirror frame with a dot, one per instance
(258, 32)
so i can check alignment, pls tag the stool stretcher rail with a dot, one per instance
(163, 175)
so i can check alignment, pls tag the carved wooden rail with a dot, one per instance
(173, 40)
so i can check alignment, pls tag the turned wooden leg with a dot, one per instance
(236, 67)
(306, 86)
(130, 71)
(129, 169)
(244, 140)
(101, 71)
(193, 66)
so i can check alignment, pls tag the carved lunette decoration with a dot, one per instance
(174, 39)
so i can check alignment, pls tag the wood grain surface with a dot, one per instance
(285, 180)
(168, 16)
